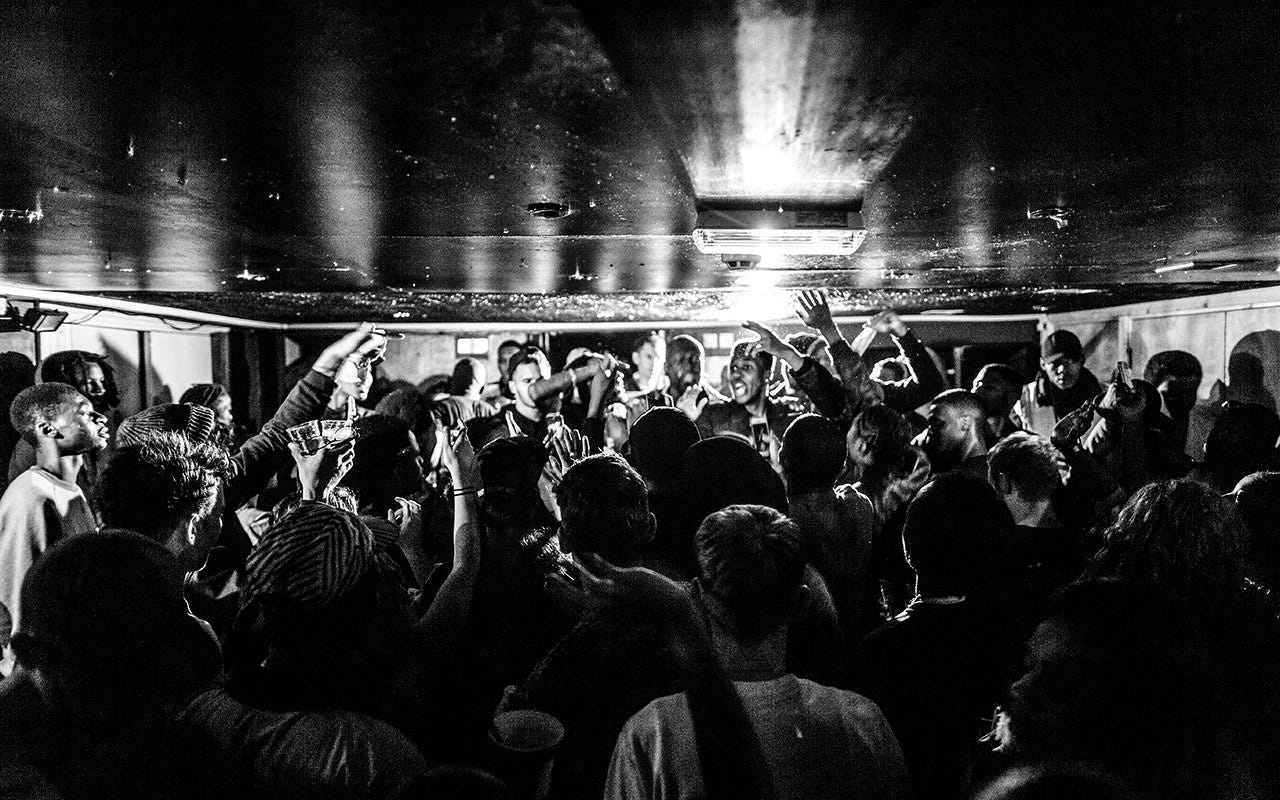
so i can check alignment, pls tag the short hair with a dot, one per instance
(411, 407)
(742, 349)
(751, 561)
(40, 403)
(72, 367)
(813, 454)
(1029, 461)
(374, 473)
(604, 509)
(659, 439)
(961, 400)
(527, 354)
(685, 345)
(464, 374)
(1009, 380)
(152, 487)
(1171, 362)
(649, 337)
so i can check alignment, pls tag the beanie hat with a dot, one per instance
(195, 421)
(314, 557)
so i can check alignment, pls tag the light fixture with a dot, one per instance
(779, 229)
(27, 315)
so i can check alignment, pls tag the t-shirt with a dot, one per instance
(36, 511)
(818, 742)
(306, 754)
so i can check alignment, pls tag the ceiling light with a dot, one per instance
(548, 210)
(778, 230)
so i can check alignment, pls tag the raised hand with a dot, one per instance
(692, 402)
(362, 343)
(888, 321)
(321, 471)
(812, 309)
(459, 458)
(773, 344)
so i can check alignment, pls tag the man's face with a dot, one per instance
(1063, 372)
(355, 378)
(859, 447)
(80, 428)
(525, 375)
(409, 465)
(650, 360)
(504, 358)
(998, 397)
(684, 369)
(947, 432)
(1179, 392)
(745, 380)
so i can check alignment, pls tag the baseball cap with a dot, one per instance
(1061, 344)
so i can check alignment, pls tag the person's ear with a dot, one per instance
(45, 429)
(192, 529)
(1002, 483)
(653, 530)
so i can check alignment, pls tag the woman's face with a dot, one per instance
(222, 412)
(355, 378)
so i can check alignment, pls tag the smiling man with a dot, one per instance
(44, 504)
(749, 413)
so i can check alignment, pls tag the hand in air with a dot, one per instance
(888, 321)
(812, 309)
(692, 401)
(769, 341)
(321, 471)
(459, 458)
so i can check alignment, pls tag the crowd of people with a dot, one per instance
(825, 577)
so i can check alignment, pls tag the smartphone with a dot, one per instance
(1124, 375)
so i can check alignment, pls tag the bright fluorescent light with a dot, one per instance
(1175, 267)
(779, 230)
(815, 242)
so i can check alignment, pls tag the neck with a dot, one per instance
(1036, 514)
(973, 449)
(338, 399)
(66, 467)
(529, 412)
(760, 660)
(755, 405)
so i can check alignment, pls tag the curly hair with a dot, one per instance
(152, 487)
(888, 436)
(1179, 537)
(72, 367)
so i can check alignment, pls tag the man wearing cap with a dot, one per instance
(749, 413)
(1062, 385)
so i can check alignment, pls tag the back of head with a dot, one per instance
(659, 440)
(813, 454)
(722, 471)
(604, 509)
(204, 394)
(411, 407)
(750, 561)
(1178, 537)
(40, 403)
(384, 463)
(946, 535)
(465, 374)
(1029, 462)
(16, 373)
(194, 421)
(961, 401)
(510, 469)
(1257, 498)
(154, 485)
(1242, 441)
(105, 612)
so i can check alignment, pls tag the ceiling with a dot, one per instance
(291, 161)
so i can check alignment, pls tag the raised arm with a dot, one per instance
(928, 380)
(264, 453)
(820, 385)
(859, 389)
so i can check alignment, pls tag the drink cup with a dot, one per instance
(307, 436)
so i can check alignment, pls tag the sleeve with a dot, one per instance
(263, 454)
(630, 769)
(859, 389)
(822, 387)
(26, 530)
(892, 766)
(928, 380)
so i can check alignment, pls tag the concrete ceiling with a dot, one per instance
(336, 161)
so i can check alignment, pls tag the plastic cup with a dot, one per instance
(307, 436)
(524, 744)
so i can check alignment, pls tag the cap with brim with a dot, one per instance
(1059, 345)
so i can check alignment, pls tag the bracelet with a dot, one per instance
(573, 376)
(466, 490)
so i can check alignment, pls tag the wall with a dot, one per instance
(1212, 328)
(153, 362)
